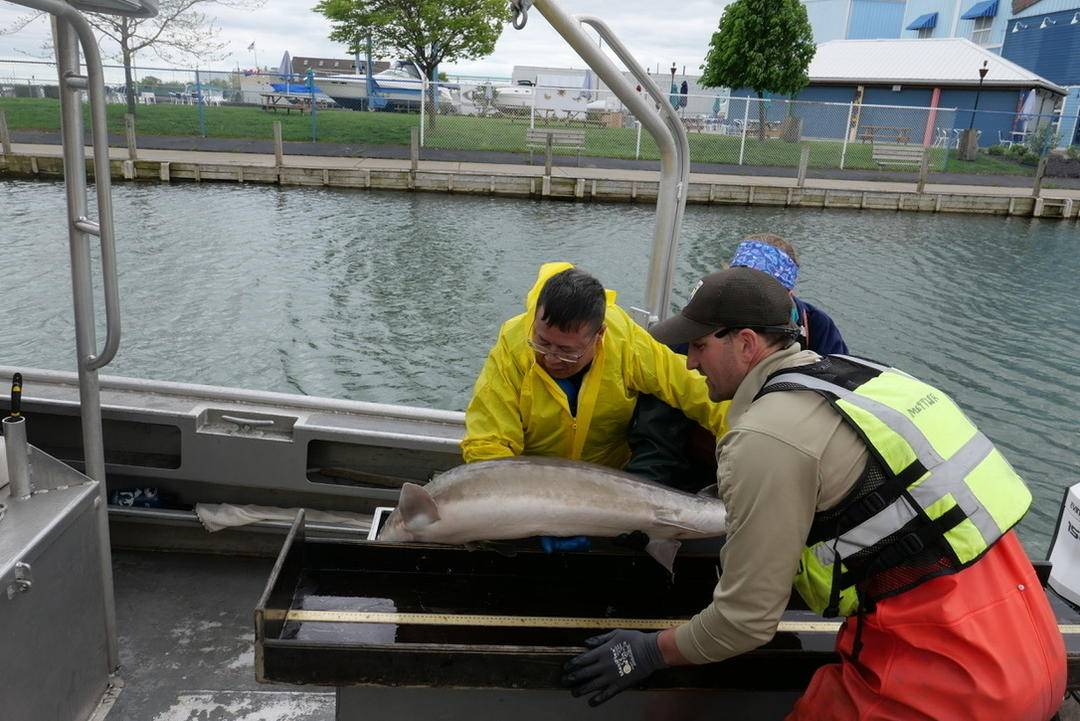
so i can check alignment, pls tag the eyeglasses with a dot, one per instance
(545, 350)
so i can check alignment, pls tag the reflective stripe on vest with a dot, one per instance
(947, 478)
(959, 462)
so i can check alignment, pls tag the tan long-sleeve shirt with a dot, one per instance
(785, 457)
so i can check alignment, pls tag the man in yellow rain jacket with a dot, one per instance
(564, 376)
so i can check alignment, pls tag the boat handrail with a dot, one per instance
(79, 224)
(38, 378)
(661, 122)
(70, 31)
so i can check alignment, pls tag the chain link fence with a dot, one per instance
(721, 130)
(503, 122)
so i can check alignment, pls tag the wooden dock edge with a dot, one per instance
(1017, 203)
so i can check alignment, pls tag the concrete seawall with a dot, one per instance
(564, 183)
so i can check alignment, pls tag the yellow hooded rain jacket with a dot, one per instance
(518, 409)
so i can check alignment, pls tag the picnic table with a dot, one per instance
(884, 133)
(773, 128)
(694, 124)
(567, 117)
(285, 101)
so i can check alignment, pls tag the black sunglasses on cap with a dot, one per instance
(784, 330)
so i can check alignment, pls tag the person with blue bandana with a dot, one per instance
(667, 447)
(772, 254)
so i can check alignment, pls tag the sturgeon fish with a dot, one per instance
(540, 496)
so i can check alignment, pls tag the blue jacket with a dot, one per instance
(825, 337)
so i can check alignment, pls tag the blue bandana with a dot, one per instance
(768, 259)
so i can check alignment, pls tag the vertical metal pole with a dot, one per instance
(129, 131)
(423, 102)
(804, 160)
(637, 148)
(5, 135)
(847, 134)
(18, 456)
(369, 70)
(311, 91)
(745, 120)
(547, 154)
(199, 100)
(532, 107)
(71, 126)
(414, 149)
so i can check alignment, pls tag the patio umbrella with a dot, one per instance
(1027, 112)
(684, 93)
(716, 105)
(674, 96)
(285, 71)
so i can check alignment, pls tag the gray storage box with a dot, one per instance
(52, 617)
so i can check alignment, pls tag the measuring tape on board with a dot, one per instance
(499, 621)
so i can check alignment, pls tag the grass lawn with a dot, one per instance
(473, 133)
(334, 126)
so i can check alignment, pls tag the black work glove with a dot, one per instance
(615, 662)
(635, 540)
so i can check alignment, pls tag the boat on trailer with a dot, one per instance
(398, 88)
(128, 612)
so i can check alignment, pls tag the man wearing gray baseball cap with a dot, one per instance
(877, 499)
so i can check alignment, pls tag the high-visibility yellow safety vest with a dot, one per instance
(936, 493)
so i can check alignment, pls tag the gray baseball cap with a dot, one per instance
(733, 298)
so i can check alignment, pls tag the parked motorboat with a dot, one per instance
(399, 87)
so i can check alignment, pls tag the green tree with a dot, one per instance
(764, 45)
(427, 32)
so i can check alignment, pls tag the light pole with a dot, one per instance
(673, 99)
(982, 76)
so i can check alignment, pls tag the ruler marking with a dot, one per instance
(439, 619)
(435, 619)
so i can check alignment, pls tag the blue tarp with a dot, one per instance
(924, 22)
(984, 9)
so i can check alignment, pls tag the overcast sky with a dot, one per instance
(655, 31)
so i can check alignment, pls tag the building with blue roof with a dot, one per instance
(915, 89)
(1042, 36)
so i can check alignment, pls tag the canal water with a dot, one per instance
(396, 297)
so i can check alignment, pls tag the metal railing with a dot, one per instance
(663, 125)
(72, 34)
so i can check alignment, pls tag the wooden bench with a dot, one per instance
(895, 154)
(563, 138)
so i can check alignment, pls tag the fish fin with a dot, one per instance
(664, 519)
(664, 550)
(417, 507)
(710, 491)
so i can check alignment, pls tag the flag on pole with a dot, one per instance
(252, 46)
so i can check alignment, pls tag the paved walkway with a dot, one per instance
(319, 149)
(519, 170)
